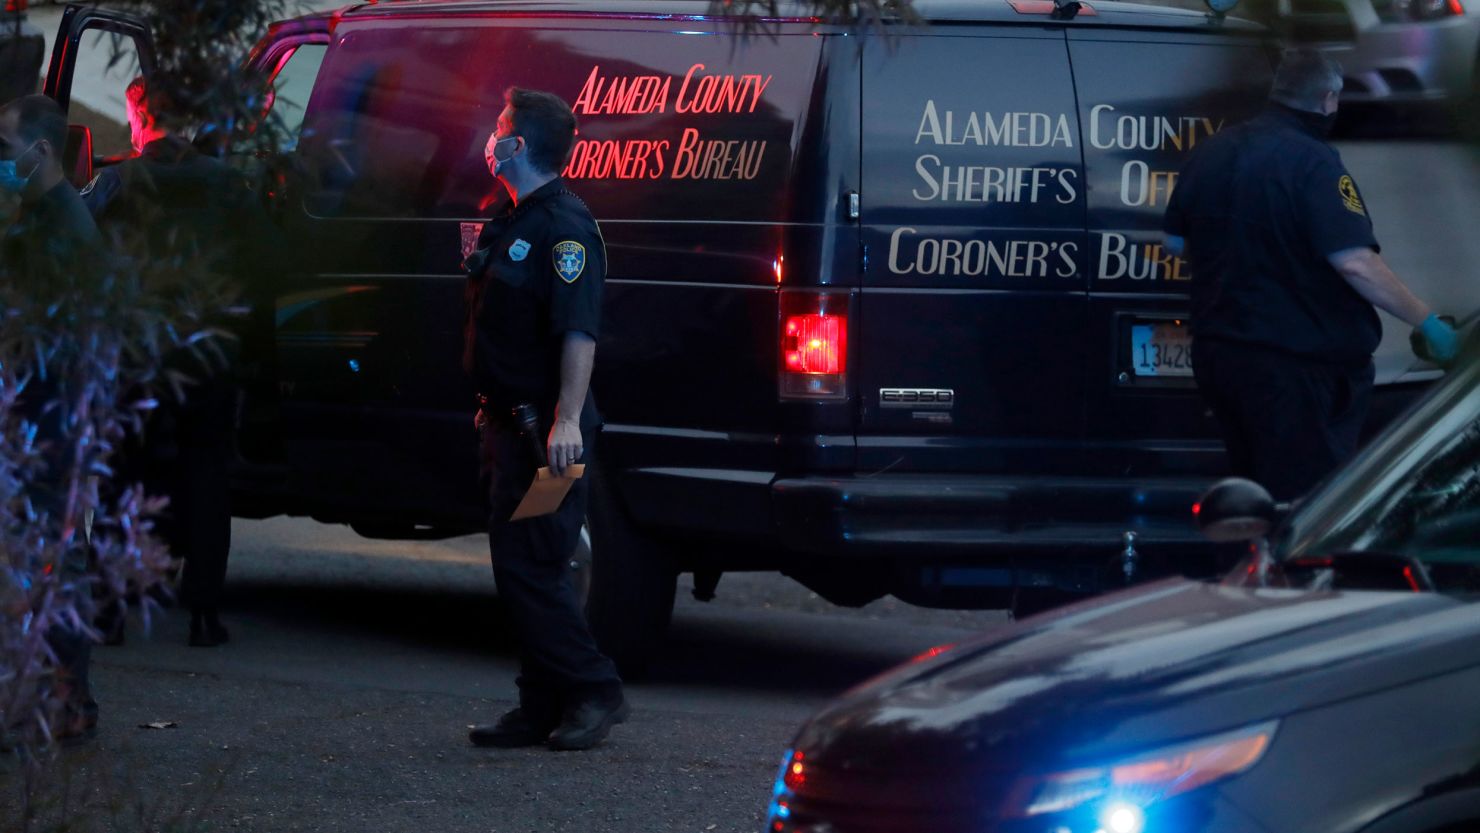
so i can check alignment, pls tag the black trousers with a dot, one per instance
(1287, 422)
(185, 455)
(73, 650)
(559, 661)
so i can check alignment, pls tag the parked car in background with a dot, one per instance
(22, 48)
(1391, 51)
(1326, 684)
(1394, 51)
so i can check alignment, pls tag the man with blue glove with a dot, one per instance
(1286, 274)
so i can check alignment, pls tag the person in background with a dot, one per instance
(535, 284)
(1286, 282)
(182, 204)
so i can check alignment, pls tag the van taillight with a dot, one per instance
(15, 5)
(814, 345)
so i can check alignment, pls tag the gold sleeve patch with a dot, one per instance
(1349, 196)
(570, 260)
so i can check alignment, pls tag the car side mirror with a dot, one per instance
(1236, 509)
(77, 156)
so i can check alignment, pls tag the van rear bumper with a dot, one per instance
(956, 515)
(912, 516)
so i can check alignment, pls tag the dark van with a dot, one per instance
(887, 311)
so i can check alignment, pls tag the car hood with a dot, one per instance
(1164, 662)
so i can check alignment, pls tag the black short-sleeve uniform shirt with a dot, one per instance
(537, 273)
(1262, 206)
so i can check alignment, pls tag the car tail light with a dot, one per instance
(15, 5)
(814, 345)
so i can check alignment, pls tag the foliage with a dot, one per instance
(200, 51)
(89, 342)
(82, 357)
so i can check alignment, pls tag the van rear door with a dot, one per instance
(1146, 99)
(969, 343)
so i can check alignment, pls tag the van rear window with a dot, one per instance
(671, 125)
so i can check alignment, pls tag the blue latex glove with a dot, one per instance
(1441, 340)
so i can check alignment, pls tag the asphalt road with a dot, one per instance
(356, 666)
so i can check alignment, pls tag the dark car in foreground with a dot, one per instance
(1329, 684)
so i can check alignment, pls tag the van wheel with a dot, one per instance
(626, 580)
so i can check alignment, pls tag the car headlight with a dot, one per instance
(1410, 11)
(1122, 789)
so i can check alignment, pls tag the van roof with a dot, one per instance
(1109, 12)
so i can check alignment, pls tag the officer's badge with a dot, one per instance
(1349, 196)
(570, 260)
(519, 250)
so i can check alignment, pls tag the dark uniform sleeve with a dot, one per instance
(1174, 222)
(1332, 209)
(578, 261)
(99, 193)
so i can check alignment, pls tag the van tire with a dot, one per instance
(630, 583)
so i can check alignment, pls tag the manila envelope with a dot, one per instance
(547, 492)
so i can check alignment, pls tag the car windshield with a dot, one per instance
(1413, 493)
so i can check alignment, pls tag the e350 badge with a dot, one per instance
(570, 260)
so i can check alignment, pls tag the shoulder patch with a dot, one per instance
(1349, 196)
(570, 260)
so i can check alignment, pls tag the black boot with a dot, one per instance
(588, 722)
(515, 729)
(206, 630)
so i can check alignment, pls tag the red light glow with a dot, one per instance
(815, 344)
(1412, 581)
(796, 775)
(1456, 7)
(1196, 509)
(1046, 7)
(933, 652)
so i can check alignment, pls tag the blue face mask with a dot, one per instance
(500, 164)
(10, 177)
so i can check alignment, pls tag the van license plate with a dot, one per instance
(1163, 349)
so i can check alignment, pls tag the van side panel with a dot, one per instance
(688, 147)
(1141, 117)
(971, 339)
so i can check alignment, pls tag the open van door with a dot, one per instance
(76, 21)
(78, 156)
(287, 62)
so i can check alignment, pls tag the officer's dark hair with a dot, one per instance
(1304, 79)
(547, 125)
(40, 118)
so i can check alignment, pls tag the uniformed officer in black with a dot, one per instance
(185, 206)
(1285, 277)
(534, 312)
